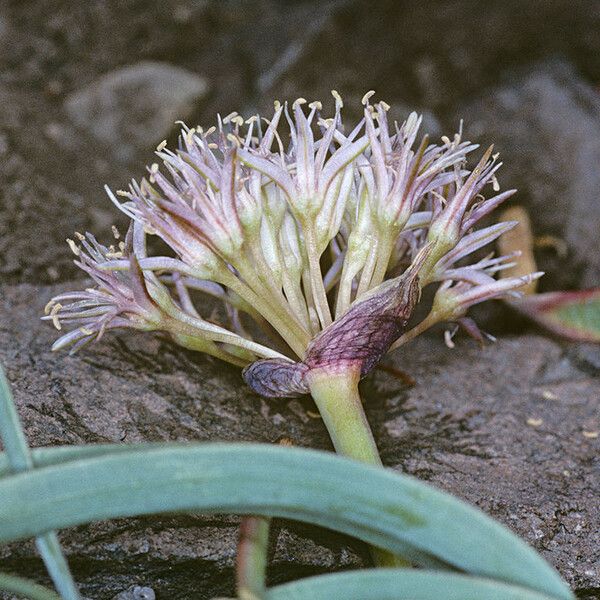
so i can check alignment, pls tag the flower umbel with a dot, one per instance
(311, 253)
(320, 245)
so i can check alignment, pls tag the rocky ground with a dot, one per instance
(509, 428)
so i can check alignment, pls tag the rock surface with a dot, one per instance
(547, 121)
(52, 170)
(509, 428)
(136, 106)
(136, 592)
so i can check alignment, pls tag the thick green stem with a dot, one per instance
(335, 392)
(251, 565)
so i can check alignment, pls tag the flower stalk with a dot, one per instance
(251, 561)
(335, 392)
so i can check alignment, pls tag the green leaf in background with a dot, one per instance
(399, 584)
(572, 315)
(25, 588)
(392, 511)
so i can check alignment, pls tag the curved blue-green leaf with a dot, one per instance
(399, 584)
(25, 588)
(55, 455)
(377, 505)
(18, 459)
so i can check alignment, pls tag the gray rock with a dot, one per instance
(546, 124)
(438, 53)
(488, 425)
(136, 106)
(136, 592)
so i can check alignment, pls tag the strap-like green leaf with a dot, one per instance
(392, 511)
(25, 588)
(399, 584)
(18, 459)
(55, 455)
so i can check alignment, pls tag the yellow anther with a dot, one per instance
(326, 122)
(365, 98)
(189, 136)
(338, 99)
(230, 117)
(49, 306)
(54, 315)
(74, 247)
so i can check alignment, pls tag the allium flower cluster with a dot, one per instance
(314, 239)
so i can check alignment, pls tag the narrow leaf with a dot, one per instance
(25, 588)
(19, 460)
(395, 512)
(399, 584)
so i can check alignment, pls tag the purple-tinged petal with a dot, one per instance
(499, 288)
(340, 158)
(467, 274)
(474, 241)
(485, 208)
(452, 216)
(305, 152)
(266, 166)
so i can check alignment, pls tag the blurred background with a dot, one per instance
(87, 89)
